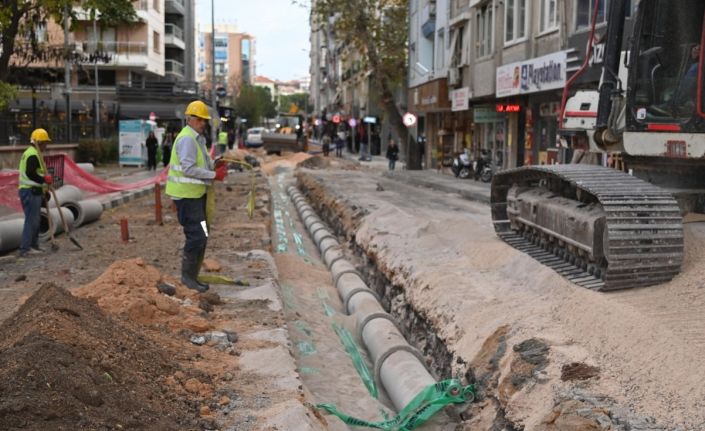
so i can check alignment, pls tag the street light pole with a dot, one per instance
(96, 131)
(67, 73)
(213, 95)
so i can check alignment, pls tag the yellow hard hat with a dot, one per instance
(198, 109)
(39, 135)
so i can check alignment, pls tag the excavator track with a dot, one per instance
(643, 243)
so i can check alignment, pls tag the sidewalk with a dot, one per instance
(469, 189)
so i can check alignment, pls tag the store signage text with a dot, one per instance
(529, 76)
(507, 107)
(459, 99)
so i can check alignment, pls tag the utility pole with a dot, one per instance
(96, 132)
(213, 95)
(67, 73)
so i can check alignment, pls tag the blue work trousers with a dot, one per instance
(192, 216)
(31, 205)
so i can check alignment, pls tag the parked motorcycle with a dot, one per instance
(483, 169)
(461, 167)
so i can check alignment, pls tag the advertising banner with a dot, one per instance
(133, 134)
(530, 76)
(459, 99)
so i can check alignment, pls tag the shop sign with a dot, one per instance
(486, 114)
(459, 99)
(508, 107)
(529, 76)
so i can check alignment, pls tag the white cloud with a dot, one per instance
(280, 27)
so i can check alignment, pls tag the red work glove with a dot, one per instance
(220, 172)
(48, 179)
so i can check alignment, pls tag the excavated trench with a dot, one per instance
(343, 220)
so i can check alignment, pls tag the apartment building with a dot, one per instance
(150, 59)
(234, 59)
(488, 75)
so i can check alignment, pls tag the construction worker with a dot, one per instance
(33, 183)
(191, 171)
(222, 142)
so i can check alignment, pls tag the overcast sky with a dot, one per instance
(280, 27)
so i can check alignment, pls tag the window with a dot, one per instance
(549, 15)
(156, 42)
(515, 21)
(584, 10)
(485, 31)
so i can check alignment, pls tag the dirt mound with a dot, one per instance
(286, 160)
(128, 288)
(64, 364)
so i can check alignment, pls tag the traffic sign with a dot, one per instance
(409, 119)
(336, 118)
(352, 122)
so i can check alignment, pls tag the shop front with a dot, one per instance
(430, 103)
(532, 88)
(489, 140)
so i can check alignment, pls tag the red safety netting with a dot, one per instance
(75, 176)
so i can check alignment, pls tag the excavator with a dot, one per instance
(604, 228)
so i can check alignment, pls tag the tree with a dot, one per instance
(297, 101)
(378, 29)
(253, 103)
(20, 21)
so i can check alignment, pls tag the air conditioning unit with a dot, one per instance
(454, 76)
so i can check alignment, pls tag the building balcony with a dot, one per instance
(121, 54)
(177, 7)
(174, 36)
(174, 68)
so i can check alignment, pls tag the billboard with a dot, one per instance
(533, 75)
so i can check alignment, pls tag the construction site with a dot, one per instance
(342, 297)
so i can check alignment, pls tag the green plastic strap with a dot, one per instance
(216, 279)
(351, 347)
(425, 404)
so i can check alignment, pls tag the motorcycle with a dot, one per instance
(461, 167)
(483, 170)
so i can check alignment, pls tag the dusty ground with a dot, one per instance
(547, 355)
(117, 353)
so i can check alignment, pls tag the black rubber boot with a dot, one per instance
(189, 272)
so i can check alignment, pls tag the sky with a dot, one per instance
(280, 27)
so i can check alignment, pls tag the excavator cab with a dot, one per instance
(666, 68)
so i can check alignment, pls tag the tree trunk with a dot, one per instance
(8, 42)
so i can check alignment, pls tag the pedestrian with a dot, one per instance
(166, 148)
(191, 171)
(339, 145)
(151, 144)
(33, 185)
(231, 139)
(392, 153)
(325, 144)
(222, 142)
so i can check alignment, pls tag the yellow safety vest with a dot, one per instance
(223, 138)
(24, 181)
(178, 185)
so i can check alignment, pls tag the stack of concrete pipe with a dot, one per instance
(398, 366)
(76, 210)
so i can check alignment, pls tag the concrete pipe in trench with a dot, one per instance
(85, 211)
(11, 234)
(399, 367)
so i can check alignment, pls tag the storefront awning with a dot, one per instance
(163, 111)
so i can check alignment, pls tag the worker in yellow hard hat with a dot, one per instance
(33, 182)
(191, 171)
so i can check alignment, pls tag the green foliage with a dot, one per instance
(7, 93)
(20, 21)
(298, 99)
(97, 151)
(255, 103)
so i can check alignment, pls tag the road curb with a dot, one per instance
(473, 195)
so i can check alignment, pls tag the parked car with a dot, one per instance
(253, 138)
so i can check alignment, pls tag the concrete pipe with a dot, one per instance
(44, 233)
(349, 285)
(67, 193)
(341, 267)
(85, 211)
(320, 235)
(327, 245)
(403, 377)
(310, 219)
(11, 234)
(87, 167)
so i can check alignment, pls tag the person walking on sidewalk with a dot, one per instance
(392, 153)
(166, 148)
(33, 184)
(325, 145)
(222, 142)
(191, 171)
(151, 144)
(339, 145)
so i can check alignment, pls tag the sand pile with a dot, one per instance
(64, 364)
(286, 160)
(129, 288)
